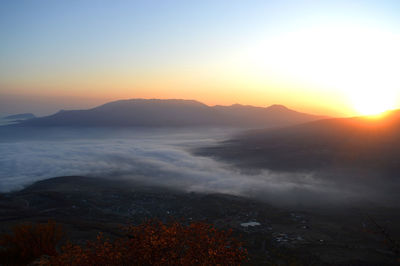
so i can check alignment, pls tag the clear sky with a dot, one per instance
(326, 57)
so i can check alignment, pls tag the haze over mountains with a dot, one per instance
(173, 113)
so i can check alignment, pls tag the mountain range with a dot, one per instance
(173, 113)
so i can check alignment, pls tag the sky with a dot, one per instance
(338, 58)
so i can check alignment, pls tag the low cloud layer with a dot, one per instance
(154, 157)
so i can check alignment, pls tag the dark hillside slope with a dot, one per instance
(362, 144)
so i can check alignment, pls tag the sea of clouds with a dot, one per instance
(159, 157)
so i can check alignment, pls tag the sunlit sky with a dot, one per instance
(338, 58)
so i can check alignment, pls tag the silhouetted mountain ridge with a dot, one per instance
(172, 113)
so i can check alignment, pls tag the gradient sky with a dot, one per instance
(326, 57)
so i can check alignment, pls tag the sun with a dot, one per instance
(373, 103)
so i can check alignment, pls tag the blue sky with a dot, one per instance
(57, 48)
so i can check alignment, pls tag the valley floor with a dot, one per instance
(273, 235)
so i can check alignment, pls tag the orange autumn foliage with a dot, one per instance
(29, 241)
(155, 243)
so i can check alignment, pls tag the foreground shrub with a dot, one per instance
(29, 241)
(155, 243)
(151, 243)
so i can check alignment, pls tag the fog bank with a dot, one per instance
(159, 157)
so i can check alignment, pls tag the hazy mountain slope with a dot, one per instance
(13, 119)
(20, 116)
(360, 144)
(170, 113)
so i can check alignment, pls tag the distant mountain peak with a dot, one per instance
(278, 107)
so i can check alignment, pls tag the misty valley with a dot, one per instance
(214, 132)
(295, 188)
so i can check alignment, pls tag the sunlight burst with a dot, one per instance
(373, 103)
(358, 62)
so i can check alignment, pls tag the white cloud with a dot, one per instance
(156, 157)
